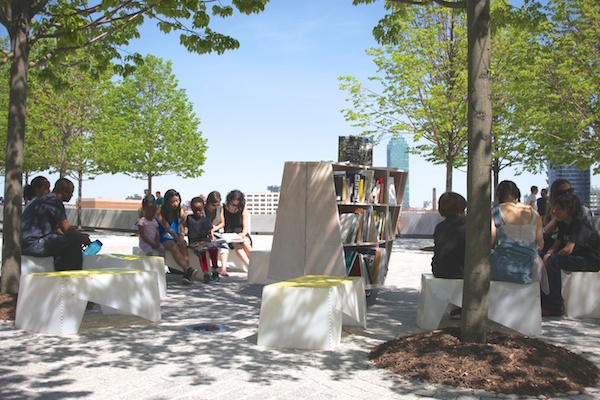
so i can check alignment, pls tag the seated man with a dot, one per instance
(46, 232)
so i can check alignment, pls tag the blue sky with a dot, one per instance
(276, 99)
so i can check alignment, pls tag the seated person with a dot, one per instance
(171, 221)
(39, 186)
(516, 238)
(576, 248)
(449, 238)
(234, 218)
(45, 230)
(200, 237)
(149, 238)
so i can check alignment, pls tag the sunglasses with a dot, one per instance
(565, 191)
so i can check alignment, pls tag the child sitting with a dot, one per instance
(148, 229)
(449, 238)
(200, 238)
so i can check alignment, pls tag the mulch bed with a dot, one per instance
(507, 363)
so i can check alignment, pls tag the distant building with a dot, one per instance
(274, 188)
(262, 202)
(356, 149)
(579, 179)
(397, 157)
(595, 201)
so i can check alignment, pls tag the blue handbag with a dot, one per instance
(512, 261)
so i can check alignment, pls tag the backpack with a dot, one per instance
(512, 261)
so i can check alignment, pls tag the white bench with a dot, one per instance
(581, 293)
(513, 305)
(234, 263)
(31, 264)
(54, 302)
(308, 312)
(128, 261)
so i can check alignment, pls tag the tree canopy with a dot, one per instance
(148, 127)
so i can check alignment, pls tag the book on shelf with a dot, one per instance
(347, 224)
(392, 193)
(230, 237)
(367, 262)
(339, 180)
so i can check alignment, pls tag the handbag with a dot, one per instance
(512, 261)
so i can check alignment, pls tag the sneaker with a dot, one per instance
(206, 277)
(215, 276)
(553, 310)
(189, 275)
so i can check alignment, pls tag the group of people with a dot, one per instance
(531, 241)
(163, 228)
(45, 229)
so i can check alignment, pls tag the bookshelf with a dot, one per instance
(336, 219)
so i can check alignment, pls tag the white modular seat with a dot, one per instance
(308, 312)
(54, 302)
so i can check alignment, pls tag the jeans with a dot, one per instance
(66, 251)
(554, 264)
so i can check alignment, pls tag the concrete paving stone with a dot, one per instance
(163, 361)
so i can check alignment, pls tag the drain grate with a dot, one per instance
(207, 328)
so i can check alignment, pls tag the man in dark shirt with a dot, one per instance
(45, 230)
(541, 202)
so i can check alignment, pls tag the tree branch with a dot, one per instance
(442, 3)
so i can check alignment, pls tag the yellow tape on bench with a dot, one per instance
(315, 281)
(87, 272)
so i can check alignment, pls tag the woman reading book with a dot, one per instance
(235, 219)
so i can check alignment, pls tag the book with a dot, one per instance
(347, 222)
(392, 193)
(338, 180)
(230, 237)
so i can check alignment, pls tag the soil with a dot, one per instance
(507, 363)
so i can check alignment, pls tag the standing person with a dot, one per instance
(200, 237)
(45, 230)
(171, 220)
(159, 199)
(516, 237)
(148, 229)
(38, 187)
(542, 202)
(449, 238)
(576, 248)
(531, 199)
(234, 217)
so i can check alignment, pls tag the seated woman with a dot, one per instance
(449, 238)
(171, 219)
(576, 248)
(234, 218)
(559, 187)
(516, 237)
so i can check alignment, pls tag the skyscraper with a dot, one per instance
(579, 179)
(397, 157)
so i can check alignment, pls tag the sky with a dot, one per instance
(277, 99)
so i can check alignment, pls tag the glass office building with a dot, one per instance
(579, 179)
(397, 157)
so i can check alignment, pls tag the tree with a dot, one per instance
(477, 263)
(149, 127)
(424, 83)
(55, 28)
(558, 96)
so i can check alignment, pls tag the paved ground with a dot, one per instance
(164, 361)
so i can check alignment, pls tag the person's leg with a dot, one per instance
(224, 256)
(241, 252)
(181, 260)
(66, 251)
(553, 301)
(213, 260)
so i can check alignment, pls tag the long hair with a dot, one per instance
(507, 191)
(165, 210)
(239, 196)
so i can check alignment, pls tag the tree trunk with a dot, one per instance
(477, 262)
(13, 182)
(79, 197)
(449, 175)
(149, 183)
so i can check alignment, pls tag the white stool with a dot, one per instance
(127, 261)
(54, 302)
(513, 305)
(308, 312)
(581, 292)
